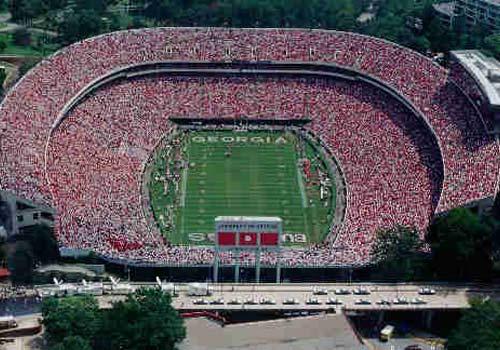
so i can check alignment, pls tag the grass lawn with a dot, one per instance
(249, 174)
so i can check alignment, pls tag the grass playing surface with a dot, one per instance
(248, 174)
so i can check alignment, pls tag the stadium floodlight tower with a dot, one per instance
(244, 233)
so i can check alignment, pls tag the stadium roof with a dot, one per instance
(485, 70)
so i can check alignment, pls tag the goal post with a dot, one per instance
(244, 233)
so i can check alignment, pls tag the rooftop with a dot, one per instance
(446, 8)
(494, 2)
(485, 70)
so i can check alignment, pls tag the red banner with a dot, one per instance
(226, 238)
(269, 238)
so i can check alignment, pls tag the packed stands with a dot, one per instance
(89, 166)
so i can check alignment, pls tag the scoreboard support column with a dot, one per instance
(257, 265)
(278, 268)
(237, 268)
(216, 266)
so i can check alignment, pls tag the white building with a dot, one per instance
(17, 213)
(485, 73)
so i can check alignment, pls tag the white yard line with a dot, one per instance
(182, 201)
(302, 188)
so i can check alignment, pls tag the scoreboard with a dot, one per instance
(248, 231)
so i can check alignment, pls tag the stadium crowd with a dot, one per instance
(119, 125)
(88, 168)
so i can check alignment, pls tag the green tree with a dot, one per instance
(21, 37)
(3, 45)
(72, 343)
(79, 25)
(98, 6)
(398, 254)
(3, 76)
(70, 317)
(20, 263)
(44, 244)
(146, 320)
(478, 329)
(27, 64)
(492, 44)
(26, 10)
(461, 246)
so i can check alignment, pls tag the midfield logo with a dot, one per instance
(240, 139)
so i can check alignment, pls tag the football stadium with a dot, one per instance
(136, 141)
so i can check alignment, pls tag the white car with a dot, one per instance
(383, 302)
(342, 291)
(218, 301)
(313, 301)
(400, 301)
(361, 291)
(290, 301)
(200, 302)
(251, 301)
(334, 301)
(320, 291)
(267, 301)
(363, 302)
(426, 291)
(418, 301)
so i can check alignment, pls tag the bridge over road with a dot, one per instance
(307, 297)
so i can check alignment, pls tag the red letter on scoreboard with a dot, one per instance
(248, 238)
(226, 238)
(269, 238)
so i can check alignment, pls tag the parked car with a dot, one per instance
(313, 301)
(334, 301)
(320, 291)
(426, 291)
(290, 301)
(361, 291)
(342, 291)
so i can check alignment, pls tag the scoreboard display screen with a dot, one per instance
(247, 231)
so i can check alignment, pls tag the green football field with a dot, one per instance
(247, 174)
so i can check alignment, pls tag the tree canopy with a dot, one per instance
(478, 329)
(388, 19)
(20, 262)
(146, 320)
(70, 317)
(72, 343)
(398, 253)
(43, 242)
(461, 246)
